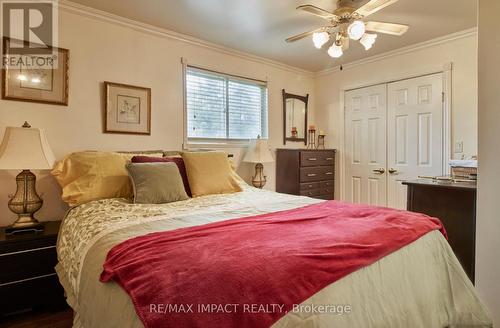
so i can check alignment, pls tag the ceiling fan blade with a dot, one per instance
(304, 35)
(387, 28)
(373, 6)
(317, 11)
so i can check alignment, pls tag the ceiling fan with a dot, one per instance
(347, 23)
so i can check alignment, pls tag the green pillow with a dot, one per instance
(156, 183)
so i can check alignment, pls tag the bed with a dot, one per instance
(420, 285)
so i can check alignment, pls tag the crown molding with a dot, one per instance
(401, 51)
(104, 16)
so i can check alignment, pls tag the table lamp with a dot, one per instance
(25, 149)
(259, 153)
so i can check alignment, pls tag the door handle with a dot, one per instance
(379, 171)
(392, 171)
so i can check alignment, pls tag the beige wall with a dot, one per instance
(488, 220)
(102, 51)
(461, 52)
(106, 51)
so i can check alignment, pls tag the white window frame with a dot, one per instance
(200, 143)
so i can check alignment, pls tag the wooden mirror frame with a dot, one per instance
(305, 99)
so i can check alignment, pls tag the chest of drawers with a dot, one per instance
(306, 172)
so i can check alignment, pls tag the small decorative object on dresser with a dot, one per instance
(128, 109)
(306, 172)
(259, 153)
(311, 144)
(44, 82)
(27, 276)
(321, 140)
(23, 149)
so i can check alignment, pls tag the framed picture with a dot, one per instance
(24, 81)
(128, 109)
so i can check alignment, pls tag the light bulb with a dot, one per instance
(335, 51)
(368, 40)
(320, 38)
(356, 30)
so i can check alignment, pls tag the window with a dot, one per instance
(225, 107)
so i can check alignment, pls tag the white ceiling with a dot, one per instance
(260, 27)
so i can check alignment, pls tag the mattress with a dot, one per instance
(420, 285)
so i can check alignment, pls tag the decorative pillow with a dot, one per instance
(91, 175)
(210, 173)
(156, 183)
(177, 160)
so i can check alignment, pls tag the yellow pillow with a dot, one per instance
(91, 175)
(210, 173)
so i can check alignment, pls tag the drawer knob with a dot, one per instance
(311, 174)
(329, 158)
(328, 173)
(312, 159)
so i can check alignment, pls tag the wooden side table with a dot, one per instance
(28, 280)
(455, 205)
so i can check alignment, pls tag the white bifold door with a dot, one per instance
(393, 132)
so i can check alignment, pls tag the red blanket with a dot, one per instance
(249, 272)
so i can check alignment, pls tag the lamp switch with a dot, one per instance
(459, 147)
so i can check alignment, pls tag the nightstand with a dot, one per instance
(28, 280)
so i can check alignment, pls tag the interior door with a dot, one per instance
(415, 133)
(366, 146)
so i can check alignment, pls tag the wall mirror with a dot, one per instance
(294, 117)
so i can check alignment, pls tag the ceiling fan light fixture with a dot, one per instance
(368, 40)
(356, 30)
(320, 38)
(335, 51)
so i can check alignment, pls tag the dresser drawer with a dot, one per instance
(40, 293)
(310, 193)
(312, 174)
(327, 184)
(310, 185)
(317, 158)
(27, 264)
(326, 191)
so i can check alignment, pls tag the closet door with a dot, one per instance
(365, 137)
(415, 133)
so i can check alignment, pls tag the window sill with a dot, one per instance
(196, 145)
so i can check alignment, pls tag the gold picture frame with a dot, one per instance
(127, 109)
(47, 86)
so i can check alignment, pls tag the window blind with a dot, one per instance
(222, 106)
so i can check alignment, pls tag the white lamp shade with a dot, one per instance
(25, 149)
(356, 30)
(258, 152)
(335, 51)
(320, 38)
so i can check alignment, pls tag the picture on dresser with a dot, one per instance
(44, 80)
(128, 109)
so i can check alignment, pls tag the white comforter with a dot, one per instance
(421, 285)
